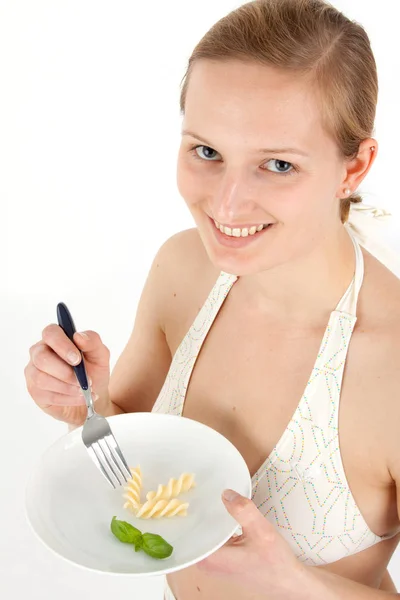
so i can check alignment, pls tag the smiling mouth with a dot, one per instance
(238, 232)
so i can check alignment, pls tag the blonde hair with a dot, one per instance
(314, 39)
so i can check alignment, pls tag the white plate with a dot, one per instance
(70, 505)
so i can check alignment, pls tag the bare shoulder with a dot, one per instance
(186, 279)
(378, 322)
(184, 253)
(379, 308)
(377, 341)
(382, 311)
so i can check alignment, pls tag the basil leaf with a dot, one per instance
(124, 531)
(139, 543)
(154, 545)
(151, 543)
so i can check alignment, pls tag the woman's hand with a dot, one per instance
(259, 559)
(50, 378)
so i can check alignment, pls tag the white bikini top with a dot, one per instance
(301, 487)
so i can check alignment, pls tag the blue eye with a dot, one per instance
(281, 166)
(205, 152)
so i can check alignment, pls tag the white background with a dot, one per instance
(89, 131)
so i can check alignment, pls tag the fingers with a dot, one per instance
(245, 512)
(50, 377)
(54, 337)
(50, 381)
(95, 351)
(47, 361)
(44, 381)
(73, 415)
(88, 341)
(46, 399)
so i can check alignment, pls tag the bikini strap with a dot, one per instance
(348, 302)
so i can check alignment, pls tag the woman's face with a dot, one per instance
(254, 153)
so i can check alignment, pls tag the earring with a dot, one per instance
(347, 191)
(372, 148)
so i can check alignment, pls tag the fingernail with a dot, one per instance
(73, 357)
(90, 382)
(95, 397)
(230, 495)
(83, 334)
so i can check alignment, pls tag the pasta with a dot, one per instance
(163, 502)
(173, 488)
(132, 490)
(162, 508)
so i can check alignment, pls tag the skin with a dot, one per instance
(290, 279)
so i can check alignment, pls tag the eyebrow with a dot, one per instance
(263, 150)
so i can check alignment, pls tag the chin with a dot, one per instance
(238, 262)
(240, 256)
(241, 268)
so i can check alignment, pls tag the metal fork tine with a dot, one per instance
(118, 457)
(99, 464)
(107, 460)
(114, 458)
(102, 443)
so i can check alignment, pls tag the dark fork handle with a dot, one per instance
(66, 323)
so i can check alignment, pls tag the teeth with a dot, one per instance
(236, 232)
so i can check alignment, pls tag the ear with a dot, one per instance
(357, 168)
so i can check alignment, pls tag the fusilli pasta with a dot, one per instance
(132, 490)
(162, 508)
(173, 488)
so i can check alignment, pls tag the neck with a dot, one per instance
(305, 289)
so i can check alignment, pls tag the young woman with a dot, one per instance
(268, 314)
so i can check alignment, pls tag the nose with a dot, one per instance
(232, 196)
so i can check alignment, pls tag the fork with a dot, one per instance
(96, 433)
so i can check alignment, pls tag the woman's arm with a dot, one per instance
(387, 583)
(262, 561)
(142, 367)
(172, 291)
(329, 586)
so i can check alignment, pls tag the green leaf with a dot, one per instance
(151, 543)
(139, 543)
(154, 545)
(124, 531)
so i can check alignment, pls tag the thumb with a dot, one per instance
(95, 352)
(245, 512)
